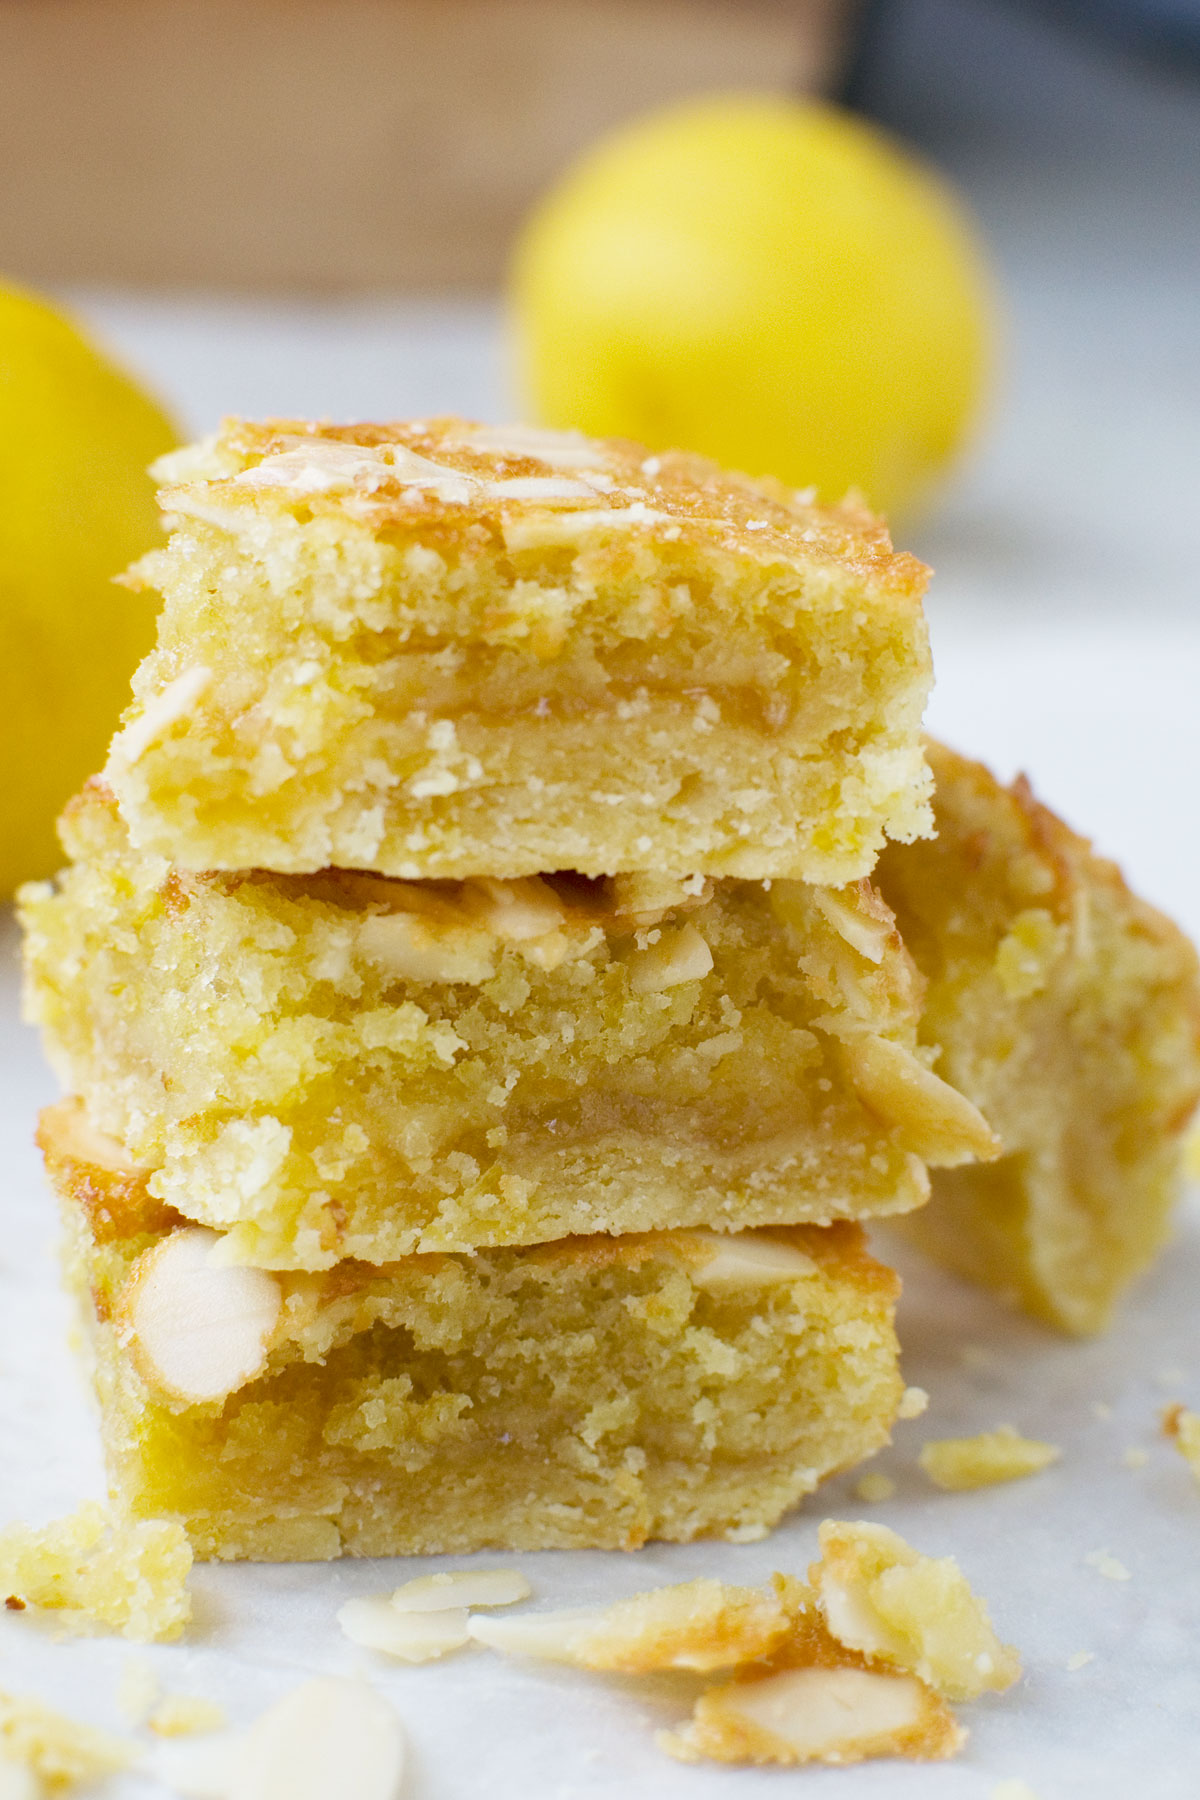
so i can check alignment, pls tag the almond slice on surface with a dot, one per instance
(746, 1259)
(702, 1624)
(198, 1328)
(461, 1587)
(515, 910)
(830, 1715)
(331, 1738)
(414, 1637)
(410, 947)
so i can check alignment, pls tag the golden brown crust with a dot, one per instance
(694, 494)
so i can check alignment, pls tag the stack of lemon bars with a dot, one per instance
(488, 1019)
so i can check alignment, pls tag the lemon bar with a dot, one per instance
(437, 650)
(594, 1392)
(348, 1064)
(1069, 1011)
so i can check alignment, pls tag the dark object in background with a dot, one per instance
(340, 144)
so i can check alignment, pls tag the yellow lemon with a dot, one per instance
(772, 282)
(76, 506)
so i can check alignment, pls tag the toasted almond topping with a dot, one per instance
(415, 1637)
(462, 1587)
(746, 1259)
(1001, 1455)
(859, 916)
(680, 955)
(76, 1137)
(695, 1625)
(560, 449)
(887, 1601)
(932, 1118)
(646, 898)
(198, 1328)
(329, 1737)
(829, 1715)
(538, 487)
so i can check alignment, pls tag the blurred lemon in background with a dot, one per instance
(76, 506)
(772, 282)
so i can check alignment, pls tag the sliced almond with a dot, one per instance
(331, 1737)
(933, 1119)
(73, 1135)
(414, 1637)
(561, 449)
(701, 1624)
(461, 1587)
(859, 916)
(680, 955)
(159, 713)
(198, 1328)
(827, 1715)
(513, 910)
(746, 1259)
(409, 947)
(646, 899)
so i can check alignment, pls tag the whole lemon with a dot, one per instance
(76, 506)
(772, 282)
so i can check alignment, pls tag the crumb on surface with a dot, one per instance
(1135, 1457)
(1183, 1427)
(182, 1715)
(913, 1402)
(874, 1487)
(991, 1456)
(1106, 1564)
(99, 1575)
(60, 1753)
(1080, 1660)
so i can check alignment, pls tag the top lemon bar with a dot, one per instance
(441, 649)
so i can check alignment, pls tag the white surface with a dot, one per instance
(1067, 643)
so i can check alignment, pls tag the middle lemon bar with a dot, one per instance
(347, 1065)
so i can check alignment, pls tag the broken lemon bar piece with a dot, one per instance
(346, 1065)
(594, 1392)
(1068, 1010)
(440, 649)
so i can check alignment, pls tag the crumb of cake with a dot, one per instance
(701, 1624)
(991, 1456)
(1079, 1659)
(414, 1637)
(1106, 1564)
(461, 1587)
(1068, 1010)
(1170, 1376)
(885, 1600)
(97, 1574)
(1183, 1427)
(815, 1700)
(1135, 1457)
(138, 1691)
(874, 1487)
(913, 1402)
(1102, 1412)
(58, 1752)
(1012, 1789)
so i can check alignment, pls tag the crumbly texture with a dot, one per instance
(437, 649)
(905, 1610)
(1069, 1011)
(989, 1457)
(589, 1393)
(60, 1753)
(343, 1065)
(95, 1574)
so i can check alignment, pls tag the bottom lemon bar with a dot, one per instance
(1068, 1010)
(596, 1391)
